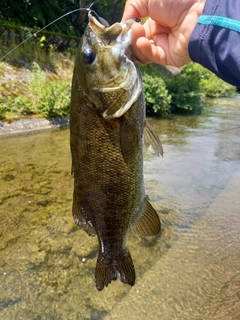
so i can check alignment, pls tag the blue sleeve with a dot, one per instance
(215, 41)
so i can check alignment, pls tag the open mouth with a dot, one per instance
(117, 34)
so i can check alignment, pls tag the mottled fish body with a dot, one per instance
(107, 124)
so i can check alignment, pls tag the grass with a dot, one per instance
(35, 82)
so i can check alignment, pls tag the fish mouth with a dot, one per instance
(127, 82)
(117, 35)
(110, 32)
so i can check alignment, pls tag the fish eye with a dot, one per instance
(89, 56)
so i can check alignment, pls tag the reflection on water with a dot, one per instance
(191, 271)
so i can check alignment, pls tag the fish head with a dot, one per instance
(104, 67)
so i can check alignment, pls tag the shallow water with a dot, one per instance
(191, 271)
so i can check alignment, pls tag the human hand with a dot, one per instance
(164, 37)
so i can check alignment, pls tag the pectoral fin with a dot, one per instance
(152, 140)
(149, 223)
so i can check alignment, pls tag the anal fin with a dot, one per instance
(79, 217)
(148, 224)
(152, 140)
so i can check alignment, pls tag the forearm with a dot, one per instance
(215, 41)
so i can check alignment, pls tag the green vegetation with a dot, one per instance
(184, 91)
(46, 97)
(156, 94)
(45, 90)
(35, 92)
(47, 93)
(42, 85)
(37, 14)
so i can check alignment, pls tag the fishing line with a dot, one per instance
(210, 133)
(63, 16)
(219, 131)
(103, 22)
(214, 132)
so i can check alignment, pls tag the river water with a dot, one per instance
(191, 271)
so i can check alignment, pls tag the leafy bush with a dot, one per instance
(185, 90)
(156, 95)
(209, 84)
(55, 99)
(4, 108)
(214, 87)
(50, 98)
(40, 96)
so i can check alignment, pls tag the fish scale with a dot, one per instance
(107, 124)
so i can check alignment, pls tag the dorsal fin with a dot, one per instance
(149, 223)
(152, 140)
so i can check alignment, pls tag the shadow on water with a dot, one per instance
(190, 271)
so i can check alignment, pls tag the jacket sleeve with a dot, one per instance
(215, 41)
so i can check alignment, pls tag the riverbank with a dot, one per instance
(44, 88)
(28, 125)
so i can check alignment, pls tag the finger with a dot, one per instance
(144, 48)
(148, 52)
(135, 9)
(152, 29)
(138, 31)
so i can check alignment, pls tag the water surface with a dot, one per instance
(191, 271)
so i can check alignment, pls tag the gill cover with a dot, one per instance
(115, 80)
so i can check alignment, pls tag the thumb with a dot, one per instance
(135, 9)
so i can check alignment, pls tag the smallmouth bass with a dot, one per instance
(107, 125)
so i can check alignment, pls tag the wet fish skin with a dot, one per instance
(107, 121)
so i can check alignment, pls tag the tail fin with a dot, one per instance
(108, 270)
